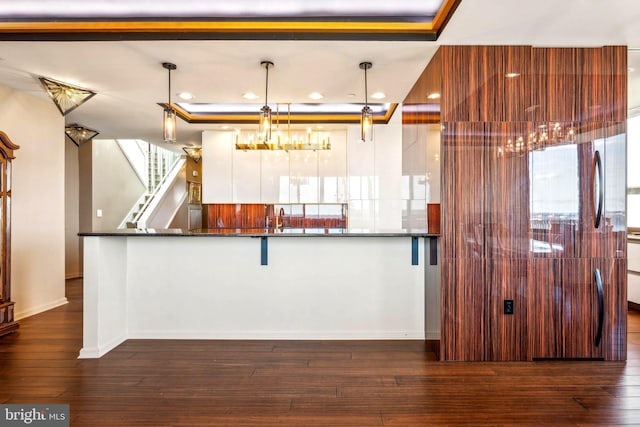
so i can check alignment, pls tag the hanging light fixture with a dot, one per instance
(286, 140)
(366, 119)
(79, 134)
(65, 96)
(169, 115)
(264, 129)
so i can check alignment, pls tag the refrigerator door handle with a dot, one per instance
(598, 280)
(598, 188)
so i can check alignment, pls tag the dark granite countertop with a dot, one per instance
(253, 232)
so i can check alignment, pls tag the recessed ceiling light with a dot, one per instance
(249, 95)
(316, 95)
(512, 75)
(434, 95)
(224, 127)
(378, 95)
(186, 96)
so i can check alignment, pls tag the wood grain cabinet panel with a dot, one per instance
(463, 162)
(615, 85)
(463, 314)
(492, 83)
(554, 84)
(544, 317)
(563, 316)
(615, 191)
(520, 196)
(506, 196)
(506, 334)
(565, 308)
(580, 308)
(614, 335)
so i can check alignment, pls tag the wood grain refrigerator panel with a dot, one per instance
(508, 222)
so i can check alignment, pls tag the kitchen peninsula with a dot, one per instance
(256, 284)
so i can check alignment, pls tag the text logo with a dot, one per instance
(34, 415)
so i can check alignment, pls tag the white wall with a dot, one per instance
(38, 211)
(116, 186)
(73, 261)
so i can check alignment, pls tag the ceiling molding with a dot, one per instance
(294, 118)
(156, 28)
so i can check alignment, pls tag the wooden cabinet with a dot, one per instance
(533, 202)
(7, 321)
(576, 289)
(575, 309)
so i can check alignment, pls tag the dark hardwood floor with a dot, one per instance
(303, 383)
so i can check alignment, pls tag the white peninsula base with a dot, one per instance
(214, 287)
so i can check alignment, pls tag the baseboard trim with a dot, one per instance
(98, 352)
(634, 306)
(432, 336)
(275, 335)
(39, 309)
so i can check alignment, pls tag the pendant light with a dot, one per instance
(366, 119)
(264, 129)
(169, 115)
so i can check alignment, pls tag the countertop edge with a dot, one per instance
(184, 233)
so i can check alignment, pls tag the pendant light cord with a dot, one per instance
(366, 91)
(170, 88)
(266, 87)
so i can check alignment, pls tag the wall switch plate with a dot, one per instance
(99, 213)
(508, 306)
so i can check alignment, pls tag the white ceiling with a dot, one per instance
(206, 8)
(130, 80)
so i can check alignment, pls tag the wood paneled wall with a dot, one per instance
(417, 108)
(493, 247)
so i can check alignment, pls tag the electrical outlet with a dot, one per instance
(508, 306)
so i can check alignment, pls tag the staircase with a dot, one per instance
(141, 205)
(156, 168)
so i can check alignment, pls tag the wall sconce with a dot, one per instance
(80, 134)
(66, 97)
(169, 114)
(194, 153)
(264, 128)
(366, 119)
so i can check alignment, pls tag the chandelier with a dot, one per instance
(284, 139)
